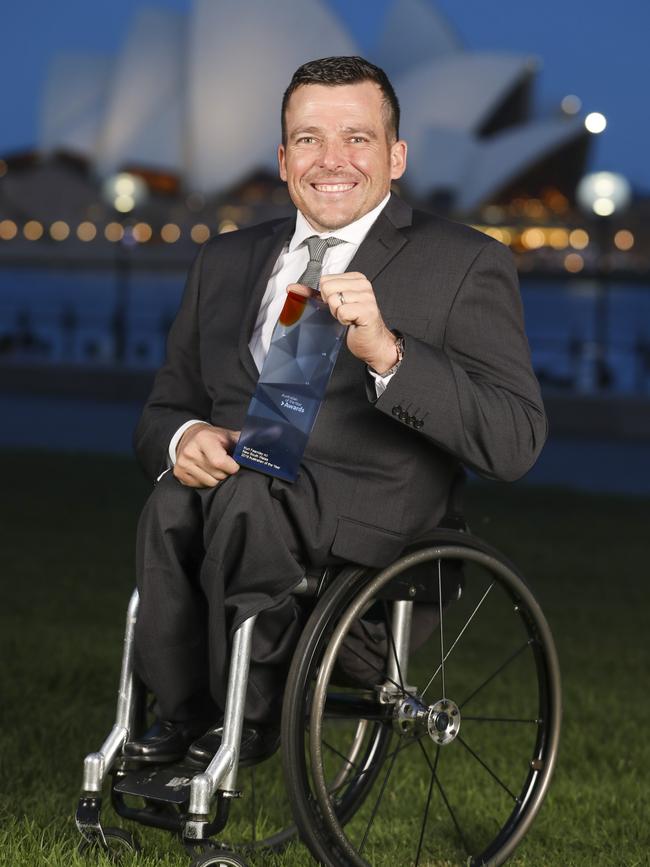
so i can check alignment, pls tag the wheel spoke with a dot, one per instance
(426, 809)
(457, 639)
(379, 799)
(339, 754)
(495, 673)
(487, 768)
(452, 814)
(376, 668)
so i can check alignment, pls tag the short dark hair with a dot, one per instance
(331, 71)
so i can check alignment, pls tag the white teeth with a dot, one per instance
(333, 188)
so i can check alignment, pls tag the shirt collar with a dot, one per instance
(354, 233)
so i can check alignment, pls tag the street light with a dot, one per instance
(124, 192)
(602, 194)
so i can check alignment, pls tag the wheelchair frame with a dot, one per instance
(405, 710)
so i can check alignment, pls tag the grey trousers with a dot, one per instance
(206, 560)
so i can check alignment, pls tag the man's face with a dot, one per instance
(337, 161)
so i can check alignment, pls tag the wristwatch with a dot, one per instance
(399, 346)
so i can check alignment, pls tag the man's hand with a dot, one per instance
(351, 300)
(202, 456)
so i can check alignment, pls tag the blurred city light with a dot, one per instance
(574, 263)
(603, 193)
(33, 230)
(59, 230)
(595, 122)
(124, 191)
(624, 239)
(200, 233)
(142, 232)
(86, 231)
(170, 233)
(571, 104)
(227, 226)
(8, 230)
(114, 232)
(579, 239)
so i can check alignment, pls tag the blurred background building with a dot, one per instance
(142, 155)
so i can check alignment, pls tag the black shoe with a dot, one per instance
(166, 741)
(257, 743)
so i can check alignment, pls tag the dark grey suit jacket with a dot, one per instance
(376, 472)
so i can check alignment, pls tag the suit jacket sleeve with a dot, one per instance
(178, 393)
(476, 396)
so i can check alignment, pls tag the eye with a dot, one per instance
(305, 139)
(358, 139)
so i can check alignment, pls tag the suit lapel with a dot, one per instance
(383, 242)
(265, 254)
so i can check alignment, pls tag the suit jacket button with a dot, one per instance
(419, 423)
(397, 410)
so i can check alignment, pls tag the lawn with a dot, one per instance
(67, 525)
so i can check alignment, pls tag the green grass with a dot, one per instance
(67, 526)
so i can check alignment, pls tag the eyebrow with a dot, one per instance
(348, 130)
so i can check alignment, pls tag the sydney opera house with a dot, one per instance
(198, 98)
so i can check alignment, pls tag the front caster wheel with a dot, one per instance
(218, 859)
(117, 846)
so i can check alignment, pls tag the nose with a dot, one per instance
(332, 156)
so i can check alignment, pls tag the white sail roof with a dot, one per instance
(144, 119)
(413, 32)
(459, 91)
(505, 156)
(74, 102)
(241, 56)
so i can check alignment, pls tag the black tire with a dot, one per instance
(120, 844)
(218, 859)
(471, 798)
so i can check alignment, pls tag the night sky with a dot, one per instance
(593, 48)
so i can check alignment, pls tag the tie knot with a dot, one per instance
(317, 246)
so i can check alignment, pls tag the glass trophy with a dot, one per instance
(292, 384)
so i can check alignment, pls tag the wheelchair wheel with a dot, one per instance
(459, 743)
(118, 846)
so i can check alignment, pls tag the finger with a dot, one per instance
(218, 462)
(194, 477)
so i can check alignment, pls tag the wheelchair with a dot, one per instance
(420, 725)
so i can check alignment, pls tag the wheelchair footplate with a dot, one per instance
(169, 784)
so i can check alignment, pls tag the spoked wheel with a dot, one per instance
(218, 859)
(117, 844)
(469, 727)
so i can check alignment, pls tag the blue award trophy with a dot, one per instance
(304, 347)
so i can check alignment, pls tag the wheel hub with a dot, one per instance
(441, 721)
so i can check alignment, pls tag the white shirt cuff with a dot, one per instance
(380, 381)
(177, 437)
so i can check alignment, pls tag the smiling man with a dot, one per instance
(435, 374)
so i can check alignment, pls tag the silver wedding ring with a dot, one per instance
(341, 298)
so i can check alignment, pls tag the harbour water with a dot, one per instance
(71, 315)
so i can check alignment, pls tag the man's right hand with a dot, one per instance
(202, 456)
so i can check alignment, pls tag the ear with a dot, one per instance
(398, 159)
(282, 162)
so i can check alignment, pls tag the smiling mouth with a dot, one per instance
(333, 188)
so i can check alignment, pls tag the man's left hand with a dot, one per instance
(351, 300)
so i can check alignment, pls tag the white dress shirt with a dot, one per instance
(289, 267)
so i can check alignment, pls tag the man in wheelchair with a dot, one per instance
(434, 373)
